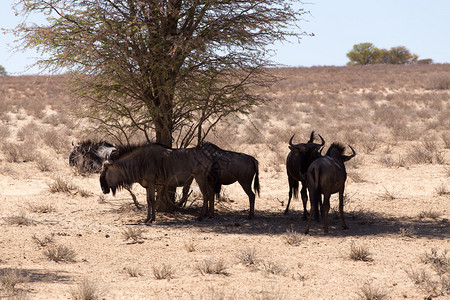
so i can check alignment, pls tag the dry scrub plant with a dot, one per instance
(212, 266)
(164, 271)
(86, 290)
(133, 271)
(274, 268)
(134, 235)
(60, 253)
(20, 220)
(248, 256)
(41, 208)
(44, 241)
(293, 237)
(368, 292)
(9, 278)
(61, 185)
(360, 253)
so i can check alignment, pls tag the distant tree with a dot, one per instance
(401, 56)
(3, 71)
(363, 54)
(425, 61)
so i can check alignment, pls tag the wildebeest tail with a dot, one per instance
(256, 187)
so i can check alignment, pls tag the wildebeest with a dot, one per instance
(297, 163)
(88, 156)
(234, 166)
(326, 175)
(153, 165)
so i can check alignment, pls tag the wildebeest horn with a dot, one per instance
(348, 157)
(295, 145)
(314, 144)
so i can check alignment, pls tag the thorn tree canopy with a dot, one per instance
(162, 68)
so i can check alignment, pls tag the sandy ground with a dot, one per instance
(317, 267)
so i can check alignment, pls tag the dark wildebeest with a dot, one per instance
(297, 163)
(86, 157)
(153, 165)
(234, 166)
(326, 176)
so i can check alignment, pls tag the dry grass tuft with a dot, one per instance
(41, 208)
(190, 246)
(369, 292)
(20, 220)
(86, 290)
(293, 237)
(60, 253)
(273, 268)
(44, 241)
(134, 235)
(164, 271)
(439, 262)
(61, 185)
(429, 214)
(248, 256)
(9, 278)
(133, 271)
(360, 253)
(212, 266)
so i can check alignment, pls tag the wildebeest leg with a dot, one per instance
(150, 204)
(315, 198)
(293, 186)
(206, 199)
(325, 210)
(304, 195)
(133, 196)
(341, 208)
(251, 197)
(185, 193)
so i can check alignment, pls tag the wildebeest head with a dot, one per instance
(337, 150)
(103, 182)
(305, 152)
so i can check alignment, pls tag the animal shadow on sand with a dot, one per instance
(361, 223)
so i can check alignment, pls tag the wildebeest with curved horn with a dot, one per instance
(326, 176)
(153, 165)
(88, 156)
(235, 166)
(297, 163)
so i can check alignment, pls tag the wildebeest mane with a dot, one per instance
(340, 148)
(123, 150)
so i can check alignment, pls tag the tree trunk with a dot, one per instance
(165, 200)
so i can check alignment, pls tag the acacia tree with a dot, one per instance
(162, 68)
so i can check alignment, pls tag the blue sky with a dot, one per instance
(421, 26)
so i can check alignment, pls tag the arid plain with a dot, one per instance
(61, 238)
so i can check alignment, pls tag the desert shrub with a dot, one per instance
(4, 131)
(212, 266)
(28, 132)
(273, 268)
(164, 271)
(9, 278)
(293, 237)
(41, 208)
(429, 214)
(60, 185)
(360, 253)
(248, 256)
(442, 190)
(43, 241)
(60, 253)
(439, 81)
(86, 290)
(190, 246)
(368, 292)
(43, 163)
(56, 140)
(439, 262)
(20, 220)
(133, 271)
(11, 152)
(407, 231)
(133, 234)
(446, 139)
